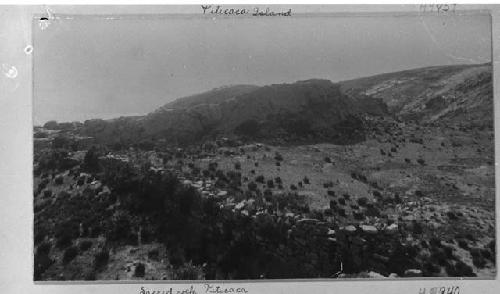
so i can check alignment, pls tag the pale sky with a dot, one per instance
(98, 68)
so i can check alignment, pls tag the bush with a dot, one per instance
(41, 264)
(362, 201)
(59, 180)
(90, 276)
(260, 179)
(69, 254)
(306, 181)
(101, 258)
(372, 211)
(459, 269)
(189, 272)
(293, 187)
(153, 254)
(439, 255)
(237, 165)
(47, 193)
(85, 245)
(341, 201)
(140, 270)
(270, 184)
(252, 186)
(43, 249)
(328, 159)
(359, 215)
(421, 161)
(63, 241)
(429, 269)
(463, 244)
(451, 215)
(479, 261)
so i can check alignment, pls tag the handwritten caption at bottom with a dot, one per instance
(199, 289)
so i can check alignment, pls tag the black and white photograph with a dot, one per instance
(241, 142)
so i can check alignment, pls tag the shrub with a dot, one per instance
(90, 275)
(47, 193)
(429, 269)
(260, 179)
(41, 264)
(372, 211)
(362, 201)
(359, 215)
(341, 201)
(328, 159)
(140, 270)
(463, 244)
(479, 261)
(448, 251)
(293, 187)
(421, 161)
(270, 184)
(328, 185)
(63, 241)
(69, 254)
(451, 215)
(237, 165)
(439, 255)
(278, 157)
(306, 181)
(189, 272)
(59, 180)
(346, 196)
(461, 269)
(85, 245)
(43, 249)
(331, 193)
(101, 258)
(252, 186)
(153, 254)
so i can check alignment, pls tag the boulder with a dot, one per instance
(369, 229)
(413, 273)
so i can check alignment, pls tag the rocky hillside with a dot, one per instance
(461, 93)
(312, 110)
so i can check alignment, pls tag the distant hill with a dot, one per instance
(312, 110)
(215, 96)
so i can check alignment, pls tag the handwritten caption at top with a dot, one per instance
(256, 11)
